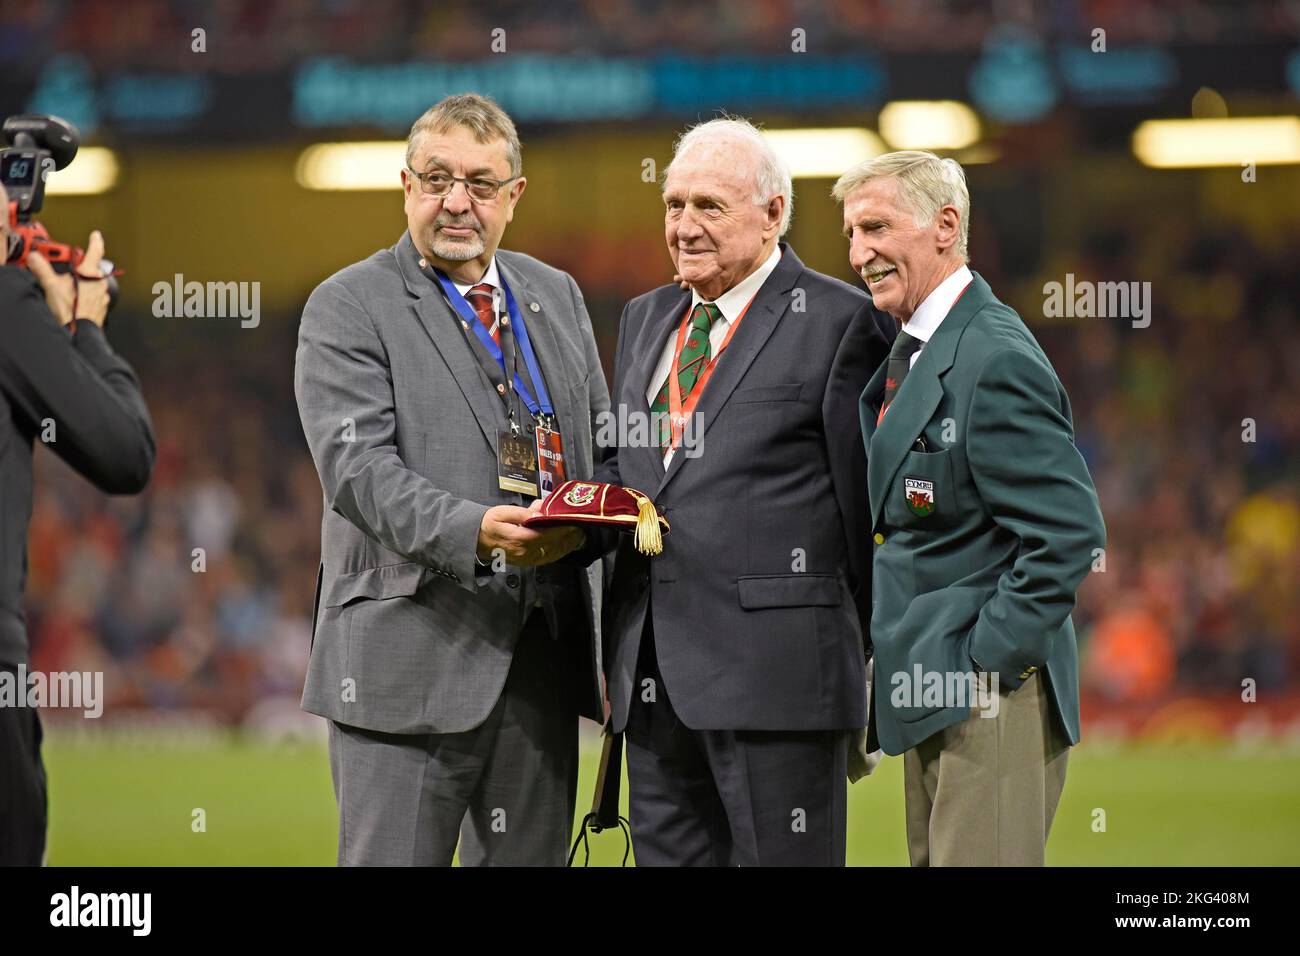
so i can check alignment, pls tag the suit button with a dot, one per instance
(643, 579)
(512, 580)
(541, 574)
(880, 538)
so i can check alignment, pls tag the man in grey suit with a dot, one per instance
(735, 659)
(450, 656)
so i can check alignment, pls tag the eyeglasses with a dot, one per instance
(440, 183)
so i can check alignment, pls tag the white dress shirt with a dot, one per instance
(729, 304)
(935, 309)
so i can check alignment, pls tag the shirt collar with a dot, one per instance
(937, 305)
(731, 302)
(490, 277)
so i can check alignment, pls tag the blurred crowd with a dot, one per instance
(255, 35)
(197, 594)
(1192, 433)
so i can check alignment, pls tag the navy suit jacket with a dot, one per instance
(762, 594)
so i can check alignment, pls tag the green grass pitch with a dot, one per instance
(131, 803)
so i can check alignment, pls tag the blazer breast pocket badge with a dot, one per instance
(919, 494)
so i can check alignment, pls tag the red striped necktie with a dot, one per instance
(480, 296)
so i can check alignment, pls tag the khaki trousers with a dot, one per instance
(983, 792)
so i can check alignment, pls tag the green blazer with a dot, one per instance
(984, 528)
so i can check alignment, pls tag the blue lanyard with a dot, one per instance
(542, 403)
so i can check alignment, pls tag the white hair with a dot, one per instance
(926, 184)
(771, 175)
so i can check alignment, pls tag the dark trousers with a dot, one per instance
(730, 797)
(505, 791)
(22, 785)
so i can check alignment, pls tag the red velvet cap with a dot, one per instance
(594, 502)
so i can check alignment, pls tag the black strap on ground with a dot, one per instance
(604, 805)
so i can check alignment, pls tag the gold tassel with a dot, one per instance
(649, 539)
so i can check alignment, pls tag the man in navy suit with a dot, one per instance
(735, 659)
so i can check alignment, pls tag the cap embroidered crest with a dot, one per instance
(920, 496)
(580, 494)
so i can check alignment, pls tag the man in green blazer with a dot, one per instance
(985, 522)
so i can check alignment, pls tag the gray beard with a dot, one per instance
(457, 250)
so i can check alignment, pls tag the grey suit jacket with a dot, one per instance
(762, 595)
(408, 635)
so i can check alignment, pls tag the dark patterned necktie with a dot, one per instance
(693, 360)
(900, 363)
(481, 298)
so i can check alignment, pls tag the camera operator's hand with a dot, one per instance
(86, 292)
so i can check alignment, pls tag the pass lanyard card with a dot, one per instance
(550, 459)
(525, 464)
(531, 465)
(677, 411)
